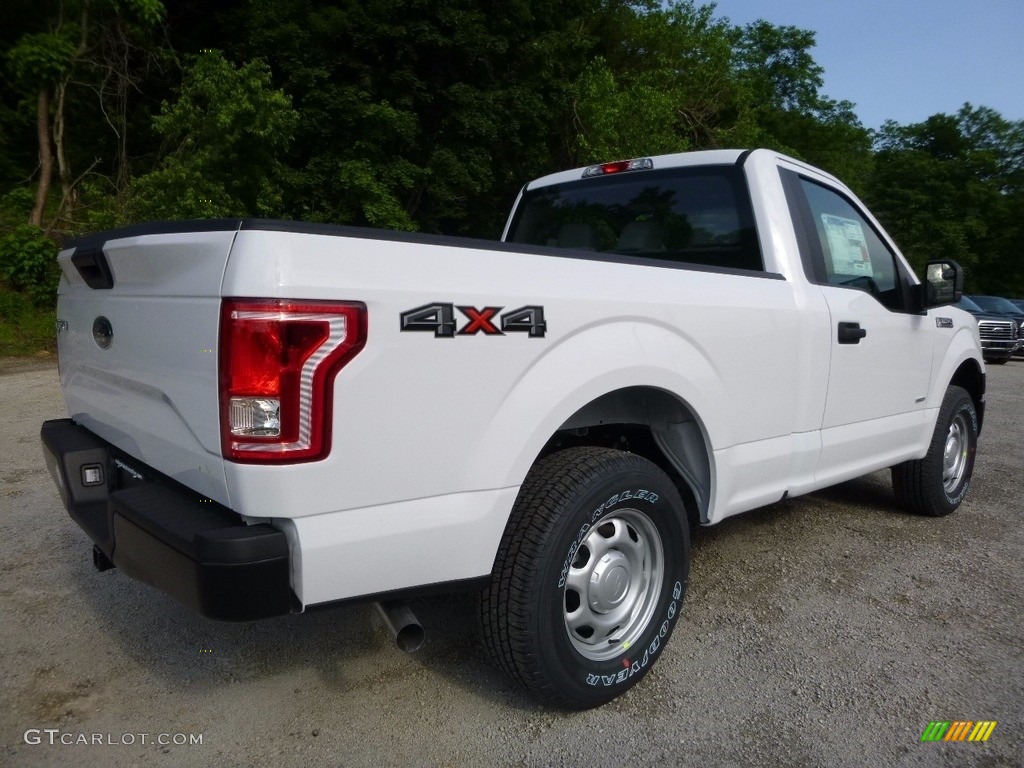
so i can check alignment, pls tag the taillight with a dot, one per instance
(278, 360)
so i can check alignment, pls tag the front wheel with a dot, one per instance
(589, 578)
(936, 484)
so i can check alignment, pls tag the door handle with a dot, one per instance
(851, 333)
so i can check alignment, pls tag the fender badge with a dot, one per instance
(944, 322)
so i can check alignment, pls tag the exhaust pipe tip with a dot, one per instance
(402, 623)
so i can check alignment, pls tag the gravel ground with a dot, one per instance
(826, 630)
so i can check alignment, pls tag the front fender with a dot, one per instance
(963, 346)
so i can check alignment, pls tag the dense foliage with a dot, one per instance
(429, 116)
(953, 186)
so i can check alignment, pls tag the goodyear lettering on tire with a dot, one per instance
(631, 668)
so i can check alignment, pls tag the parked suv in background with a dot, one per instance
(1019, 303)
(1000, 334)
(997, 305)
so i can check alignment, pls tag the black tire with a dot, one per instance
(938, 483)
(614, 522)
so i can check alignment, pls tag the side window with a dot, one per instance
(851, 254)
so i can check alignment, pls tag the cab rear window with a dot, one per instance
(692, 216)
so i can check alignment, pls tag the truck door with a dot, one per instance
(881, 351)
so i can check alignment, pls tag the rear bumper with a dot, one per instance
(160, 532)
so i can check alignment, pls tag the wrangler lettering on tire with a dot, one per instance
(589, 578)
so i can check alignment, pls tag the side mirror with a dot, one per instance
(944, 283)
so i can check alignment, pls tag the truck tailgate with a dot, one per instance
(137, 323)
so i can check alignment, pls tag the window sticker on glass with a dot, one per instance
(848, 245)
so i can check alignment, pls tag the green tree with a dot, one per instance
(424, 116)
(953, 187)
(43, 63)
(679, 79)
(784, 84)
(667, 86)
(226, 135)
(28, 263)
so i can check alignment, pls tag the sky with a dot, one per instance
(906, 60)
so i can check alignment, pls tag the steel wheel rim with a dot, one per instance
(954, 455)
(613, 585)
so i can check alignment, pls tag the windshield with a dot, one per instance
(970, 306)
(692, 216)
(996, 304)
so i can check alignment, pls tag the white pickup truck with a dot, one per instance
(267, 416)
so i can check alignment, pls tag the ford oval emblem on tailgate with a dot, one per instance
(102, 332)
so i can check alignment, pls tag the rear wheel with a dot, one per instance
(589, 577)
(938, 483)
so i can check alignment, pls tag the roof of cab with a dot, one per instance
(678, 160)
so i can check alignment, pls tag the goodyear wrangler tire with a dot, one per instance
(589, 578)
(936, 484)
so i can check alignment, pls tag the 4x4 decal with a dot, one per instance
(439, 319)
